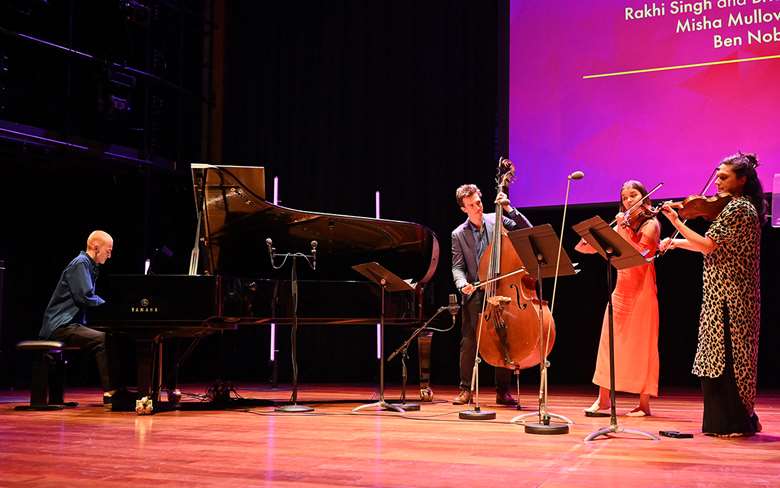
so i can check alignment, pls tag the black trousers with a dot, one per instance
(90, 340)
(724, 412)
(471, 309)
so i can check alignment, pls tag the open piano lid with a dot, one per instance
(235, 219)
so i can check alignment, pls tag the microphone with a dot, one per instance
(314, 254)
(453, 306)
(270, 244)
(577, 175)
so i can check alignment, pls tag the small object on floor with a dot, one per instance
(144, 406)
(674, 434)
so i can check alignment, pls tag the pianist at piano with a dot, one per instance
(65, 317)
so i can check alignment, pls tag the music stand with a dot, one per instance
(540, 245)
(620, 255)
(388, 282)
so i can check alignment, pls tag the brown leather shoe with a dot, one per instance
(463, 398)
(505, 398)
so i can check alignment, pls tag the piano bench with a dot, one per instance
(47, 385)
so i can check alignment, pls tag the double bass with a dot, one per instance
(509, 328)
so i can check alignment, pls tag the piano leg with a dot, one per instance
(149, 371)
(424, 351)
(171, 372)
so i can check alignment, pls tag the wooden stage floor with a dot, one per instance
(89, 446)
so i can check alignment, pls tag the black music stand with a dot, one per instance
(388, 282)
(540, 245)
(620, 254)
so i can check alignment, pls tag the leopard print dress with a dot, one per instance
(731, 280)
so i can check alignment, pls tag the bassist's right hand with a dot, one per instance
(468, 289)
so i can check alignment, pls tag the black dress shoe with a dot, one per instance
(505, 398)
(463, 398)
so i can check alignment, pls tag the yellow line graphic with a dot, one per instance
(680, 66)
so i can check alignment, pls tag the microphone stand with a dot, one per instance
(544, 427)
(293, 407)
(477, 413)
(403, 351)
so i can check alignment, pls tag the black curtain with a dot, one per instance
(343, 98)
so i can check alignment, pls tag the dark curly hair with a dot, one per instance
(745, 165)
(464, 191)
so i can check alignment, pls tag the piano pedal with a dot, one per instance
(426, 394)
(174, 396)
(144, 406)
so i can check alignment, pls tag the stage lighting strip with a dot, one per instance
(681, 66)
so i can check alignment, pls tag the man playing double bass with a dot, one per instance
(469, 241)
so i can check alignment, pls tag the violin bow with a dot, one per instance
(637, 204)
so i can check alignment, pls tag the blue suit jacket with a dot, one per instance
(465, 268)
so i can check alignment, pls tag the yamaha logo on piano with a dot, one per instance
(145, 307)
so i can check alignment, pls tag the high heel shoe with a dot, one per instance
(595, 410)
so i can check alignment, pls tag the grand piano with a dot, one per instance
(231, 282)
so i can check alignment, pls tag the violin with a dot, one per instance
(639, 213)
(635, 219)
(700, 206)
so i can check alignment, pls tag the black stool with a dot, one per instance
(47, 386)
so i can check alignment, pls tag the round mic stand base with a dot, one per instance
(477, 414)
(546, 429)
(414, 407)
(293, 409)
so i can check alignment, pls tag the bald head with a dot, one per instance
(99, 246)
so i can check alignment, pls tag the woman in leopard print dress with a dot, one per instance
(727, 353)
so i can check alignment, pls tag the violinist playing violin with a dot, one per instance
(635, 310)
(469, 241)
(727, 351)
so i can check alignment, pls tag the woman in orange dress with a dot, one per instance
(635, 312)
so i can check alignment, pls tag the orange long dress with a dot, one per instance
(635, 313)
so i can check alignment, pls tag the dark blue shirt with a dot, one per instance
(480, 240)
(75, 293)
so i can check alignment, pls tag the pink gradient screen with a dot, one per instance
(671, 123)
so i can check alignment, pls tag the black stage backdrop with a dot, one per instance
(340, 99)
